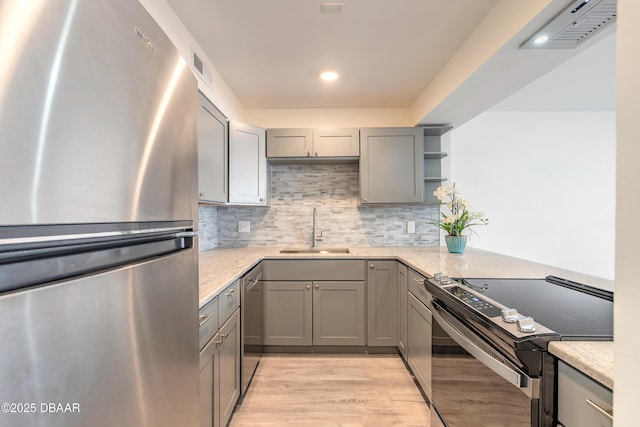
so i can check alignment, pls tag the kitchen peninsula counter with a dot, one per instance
(221, 267)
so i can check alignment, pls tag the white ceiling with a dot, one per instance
(387, 51)
(586, 82)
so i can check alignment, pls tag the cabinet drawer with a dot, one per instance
(208, 321)
(582, 402)
(228, 301)
(416, 286)
(314, 270)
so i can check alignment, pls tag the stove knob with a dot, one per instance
(437, 277)
(526, 325)
(509, 315)
(445, 280)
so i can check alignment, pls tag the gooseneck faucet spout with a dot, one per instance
(314, 236)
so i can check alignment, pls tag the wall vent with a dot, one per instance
(577, 23)
(330, 7)
(200, 68)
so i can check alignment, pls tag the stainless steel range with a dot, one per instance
(489, 347)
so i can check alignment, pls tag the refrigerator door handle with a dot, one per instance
(92, 236)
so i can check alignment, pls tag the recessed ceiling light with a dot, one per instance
(541, 39)
(329, 75)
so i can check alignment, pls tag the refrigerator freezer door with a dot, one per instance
(114, 349)
(98, 115)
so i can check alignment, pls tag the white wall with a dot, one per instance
(219, 92)
(627, 346)
(546, 180)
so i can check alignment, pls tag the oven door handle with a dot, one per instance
(484, 353)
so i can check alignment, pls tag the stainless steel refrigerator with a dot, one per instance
(98, 212)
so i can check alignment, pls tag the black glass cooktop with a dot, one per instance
(570, 309)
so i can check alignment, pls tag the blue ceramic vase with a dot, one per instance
(456, 244)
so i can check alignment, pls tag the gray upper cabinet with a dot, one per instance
(313, 143)
(336, 142)
(247, 164)
(391, 165)
(382, 280)
(289, 142)
(212, 153)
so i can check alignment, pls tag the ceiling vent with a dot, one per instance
(331, 8)
(580, 21)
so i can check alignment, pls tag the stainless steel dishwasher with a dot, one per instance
(251, 325)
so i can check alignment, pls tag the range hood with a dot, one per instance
(577, 23)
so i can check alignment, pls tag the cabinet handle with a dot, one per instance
(419, 282)
(594, 405)
(203, 318)
(317, 286)
(262, 199)
(308, 286)
(201, 195)
(224, 336)
(308, 153)
(316, 154)
(218, 341)
(232, 292)
(371, 266)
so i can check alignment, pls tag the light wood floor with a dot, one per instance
(332, 390)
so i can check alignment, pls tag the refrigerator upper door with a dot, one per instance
(98, 115)
(113, 349)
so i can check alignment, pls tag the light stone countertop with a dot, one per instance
(221, 267)
(593, 358)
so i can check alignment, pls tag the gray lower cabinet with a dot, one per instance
(212, 153)
(419, 343)
(391, 165)
(403, 289)
(582, 402)
(209, 381)
(338, 313)
(382, 281)
(304, 313)
(220, 358)
(229, 362)
(288, 313)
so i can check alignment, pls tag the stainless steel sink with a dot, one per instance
(317, 250)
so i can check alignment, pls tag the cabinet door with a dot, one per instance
(289, 143)
(403, 289)
(212, 153)
(582, 401)
(209, 383)
(229, 367)
(391, 165)
(247, 164)
(382, 282)
(287, 313)
(338, 313)
(419, 343)
(336, 142)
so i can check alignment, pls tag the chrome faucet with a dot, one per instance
(314, 237)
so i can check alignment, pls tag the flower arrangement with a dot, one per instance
(460, 216)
